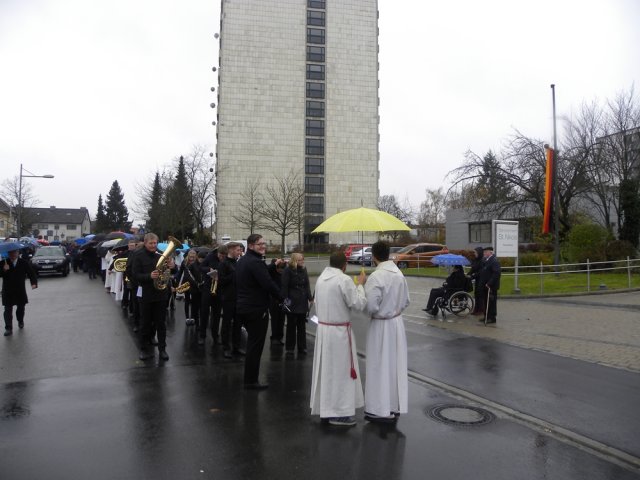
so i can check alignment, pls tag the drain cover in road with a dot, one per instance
(460, 415)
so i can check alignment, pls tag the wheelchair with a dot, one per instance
(458, 302)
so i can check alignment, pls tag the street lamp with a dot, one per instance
(22, 175)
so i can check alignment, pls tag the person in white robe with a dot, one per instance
(387, 384)
(336, 388)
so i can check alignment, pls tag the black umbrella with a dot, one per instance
(124, 243)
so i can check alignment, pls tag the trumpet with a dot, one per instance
(183, 287)
(120, 264)
(164, 278)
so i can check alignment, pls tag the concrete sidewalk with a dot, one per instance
(600, 328)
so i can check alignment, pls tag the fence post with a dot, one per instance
(628, 272)
(588, 277)
(515, 279)
(541, 279)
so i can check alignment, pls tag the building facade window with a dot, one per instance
(315, 109)
(315, 36)
(480, 233)
(315, 90)
(315, 128)
(314, 184)
(315, 72)
(314, 146)
(71, 227)
(314, 204)
(319, 4)
(314, 165)
(315, 18)
(315, 54)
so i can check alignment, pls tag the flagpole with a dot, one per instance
(556, 193)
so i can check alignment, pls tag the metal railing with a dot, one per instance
(581, 273)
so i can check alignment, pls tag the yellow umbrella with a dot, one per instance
(361, 220)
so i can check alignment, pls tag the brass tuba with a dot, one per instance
(164, 278)
(120, 264)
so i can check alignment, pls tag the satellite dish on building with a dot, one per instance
(216, 35)
(213, 69)
(213, 89)
(213, 105)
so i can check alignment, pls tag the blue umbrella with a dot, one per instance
(450, 259)
(81, 241)
(162, 246)
(6, 247)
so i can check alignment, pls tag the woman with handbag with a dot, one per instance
(297, 293)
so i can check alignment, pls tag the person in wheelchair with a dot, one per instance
(454, 283)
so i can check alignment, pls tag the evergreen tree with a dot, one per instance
(154, 213)
(179, 205)
(101, 219)
(116, 213)
(492, 186)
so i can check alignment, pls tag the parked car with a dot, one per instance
(349, 249)
(418, 255)
(395, 249)
(51, 259)
(357, 256)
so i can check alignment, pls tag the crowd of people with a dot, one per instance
(232, 296)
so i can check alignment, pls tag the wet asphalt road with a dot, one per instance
(76, 403)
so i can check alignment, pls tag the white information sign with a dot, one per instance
(505, 234)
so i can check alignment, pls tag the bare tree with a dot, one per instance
(20, 206)
(248, 212)
(281, 207)
(201, 177)
(431, 215)
(521, 168)
(391, 205)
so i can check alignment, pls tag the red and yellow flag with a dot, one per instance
(548, 190)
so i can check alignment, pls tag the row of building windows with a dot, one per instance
(44, 226)
(315, 112)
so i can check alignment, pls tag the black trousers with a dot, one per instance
(296, 331)
(154, 316)
(192, 304)
(435, 293)
(492, 308)
(230, 332)
(277, 320)
(8, 315)
(257, 324)
(210, 309)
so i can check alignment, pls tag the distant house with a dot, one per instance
(7, 224)
(58, 224)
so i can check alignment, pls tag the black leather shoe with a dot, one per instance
(256, 386)
(20, 324)
(491, 320)
(237, 351)
(145, 355)
(227, 354)
(200, 341)
(163, 355)
(8, 332)
(276, 342)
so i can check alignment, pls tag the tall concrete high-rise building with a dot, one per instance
(298, 95)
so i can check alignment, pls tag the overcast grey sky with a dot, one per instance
(93, 91)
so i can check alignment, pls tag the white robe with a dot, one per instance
(333, 392)
(118, 283)
(387, 385)
(106, 261)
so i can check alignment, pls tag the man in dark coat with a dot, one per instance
(210, 307)
(254, 285)
(14, 271)
(489, 279)
(231, 327)
(154, 301)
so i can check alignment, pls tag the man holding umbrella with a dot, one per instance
(14, 270)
